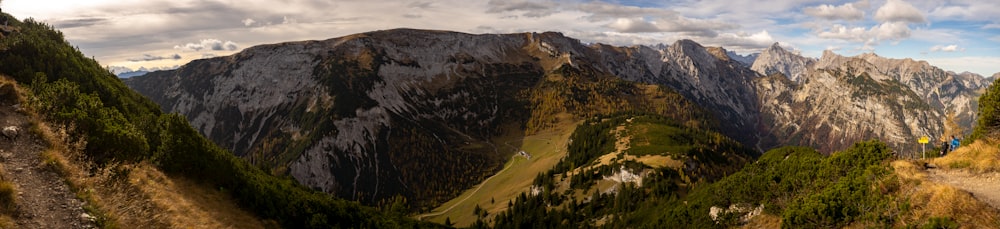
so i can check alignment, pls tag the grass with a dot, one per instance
(546, 147)
(139, 195)
(8, 203)
(981, 156)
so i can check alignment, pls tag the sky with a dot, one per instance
(955, 35)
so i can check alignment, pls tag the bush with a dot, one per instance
(940, 223)
(8, 197)
(988, 124)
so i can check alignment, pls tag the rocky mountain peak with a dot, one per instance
(776, 59)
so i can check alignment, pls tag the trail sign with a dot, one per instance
(923, 141)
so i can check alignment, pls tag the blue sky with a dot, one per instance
(958, 35)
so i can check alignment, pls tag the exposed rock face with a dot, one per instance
(775, 59)
(838, 100)
(413, 113)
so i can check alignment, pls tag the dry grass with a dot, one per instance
(8, 204)
(763, 220)
(925, 199)
(979, 157)
(187, 204)
(130, 195)
(139, 195)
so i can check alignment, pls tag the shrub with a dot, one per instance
(8, 196)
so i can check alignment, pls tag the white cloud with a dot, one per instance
(992, 26)
(983, 65)
(636, 25)
(899, 11)
(841, 32)
(743, 42)
(947, 48)
(529, 8)
(600, 11)
(248, 22)
(967, 10)
(209, 44)
(894, 31)
(843, 12)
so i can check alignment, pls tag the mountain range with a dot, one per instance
(418, 113)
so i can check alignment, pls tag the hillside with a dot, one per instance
(795, 187)
(111, 144)
(418, 113)
(398, 113)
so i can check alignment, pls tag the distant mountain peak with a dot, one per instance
(776, 59)
(746, 60)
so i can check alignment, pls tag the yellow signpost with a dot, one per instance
(923, 141)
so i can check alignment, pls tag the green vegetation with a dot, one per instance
(117, 124)
(988, 125)
(798, 184)
(629, 205)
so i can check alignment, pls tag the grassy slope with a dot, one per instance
(546, 148)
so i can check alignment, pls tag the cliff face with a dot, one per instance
(414, 113)
(896, 100)
(775, 59)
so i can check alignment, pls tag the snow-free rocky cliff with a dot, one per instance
(411, 112)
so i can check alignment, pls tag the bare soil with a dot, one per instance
(43, 198)
(985, 187)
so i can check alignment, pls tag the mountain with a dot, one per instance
(417, 113)
(400, 112)
(776, 59)
(130, 74)
(862, 97)
(743, 59)
(120, 154)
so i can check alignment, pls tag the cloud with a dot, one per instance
(948, 48)
(841, 32)
(899, 11)
(209, 44)
(149, 57)
(248, 22)
(119, 69)
(992, 26)
(889, 31)
(530, 8)
(982, 65)
(600, 11)
(629, 25)
(743, 41)
(79, 22)
(845, 12)
(977, 11)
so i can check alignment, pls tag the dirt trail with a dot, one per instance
(985, 187)
(43, 199)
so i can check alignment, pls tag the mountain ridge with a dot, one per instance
(344, 97)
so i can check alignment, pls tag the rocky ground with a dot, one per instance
(43, 198)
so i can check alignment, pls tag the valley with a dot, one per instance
(418, 128)
(545, 148)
